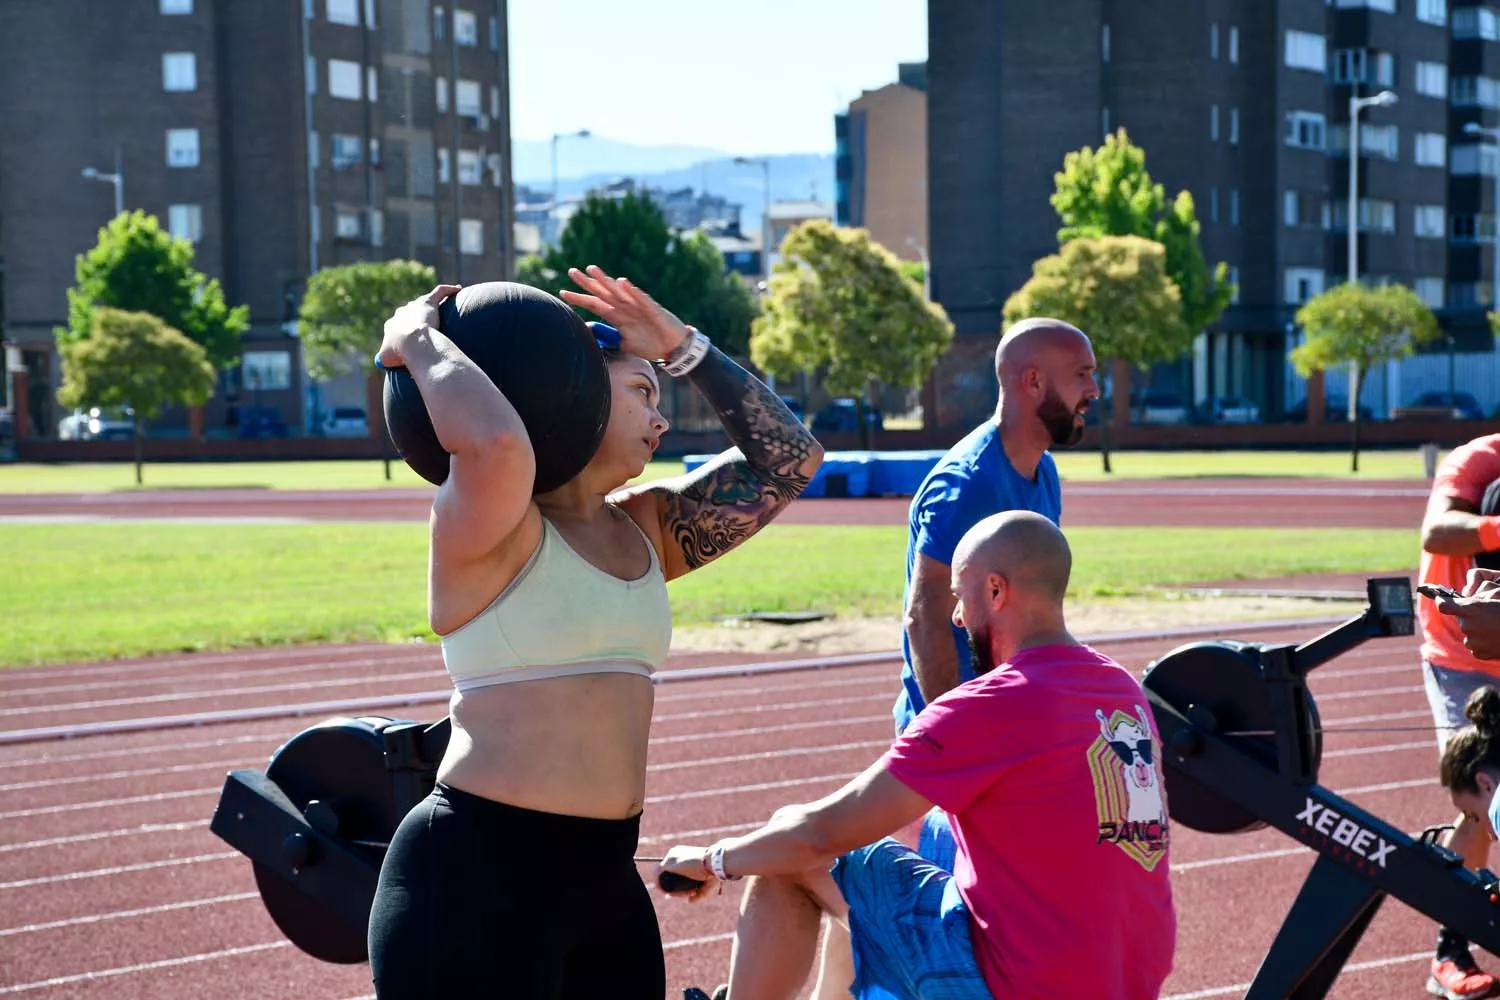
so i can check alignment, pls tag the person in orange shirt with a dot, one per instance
(1460, 524)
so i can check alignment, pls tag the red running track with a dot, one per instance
(112, 886)
(1211, 502)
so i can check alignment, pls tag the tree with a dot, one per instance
(137, 266)
(1361, 327)
(1107, 192)
(345, 309)
(1117, 290)
(630, 236)
(133, 359)
(839, 302)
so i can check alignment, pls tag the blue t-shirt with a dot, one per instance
(972, 481)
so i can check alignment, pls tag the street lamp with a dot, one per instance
(765, 214)
(1493, 134)
(582, 133)
(1384, 99)
(926, 267)
(117, 179)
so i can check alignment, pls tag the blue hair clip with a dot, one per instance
(606, 336)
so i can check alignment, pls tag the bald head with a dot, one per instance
(1027, 549)
(1032, 343)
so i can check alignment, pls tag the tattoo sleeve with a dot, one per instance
(742, 490)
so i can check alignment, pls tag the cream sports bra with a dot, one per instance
(563, 616)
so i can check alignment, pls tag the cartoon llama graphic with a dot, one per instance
(1130, 739)
(1127, 786)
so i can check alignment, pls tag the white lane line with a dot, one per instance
(127, 970)
(48, 760)
(83, 838)
(223, 675)
(129, 800)
(1375, 963)
(145, 772)
(144, 911)
(140, 866)
(740, 758)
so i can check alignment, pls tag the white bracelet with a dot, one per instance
(688, 354)
(716, 864)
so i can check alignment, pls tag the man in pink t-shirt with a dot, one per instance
(1048, 764)
(1456, 529)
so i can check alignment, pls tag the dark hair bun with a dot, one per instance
(1483, 709)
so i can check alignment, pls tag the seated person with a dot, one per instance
(1048, 766)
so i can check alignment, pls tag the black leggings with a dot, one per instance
(481, 899)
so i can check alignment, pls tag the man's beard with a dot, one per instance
(1059, 420)
(981, 649)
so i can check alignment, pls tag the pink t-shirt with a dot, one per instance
(1061, 823)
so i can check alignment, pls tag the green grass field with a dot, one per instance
(90, 591)
(352, 475)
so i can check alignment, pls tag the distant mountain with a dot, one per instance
(578, 157)
(794, 176)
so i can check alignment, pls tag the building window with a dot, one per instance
(1234, 126)
(371, 85)
(1305, 50)
(466, 97)
(343, 79)
(266, 369)
(370, 14)
(1213, 41)
(1364, 66)
(1234, 44)
(1428, 222)
(176, 6)
(470, 167)
(179, 72)
(1431, 149)
(345, 225)
(1476, 22)
(1389, 6)
(182, 147)
(1291, 208)
(1300, 284)
(1474, 92)
(1104, 43)
(312, 150)
(1234, 206)
(494, 34)
(1431, 79)
(494, 167)
(344, 151)
(465, 28)
(1383, 141)
(443, 169)
(1234, 281)
(1213, 123)
(1432, 11)
(1213, 204)
(1473, 229)
(343, 12)
(470, 236)
(311, 73)
(1305, 129)
(1377, 216)
(185, 222)
(1430, 291)
(1104, 116)
(1469, 293)
(1474, 158)
(374, 152)
(377, 227)
(440, 92)
(495, 103)
(439, 24)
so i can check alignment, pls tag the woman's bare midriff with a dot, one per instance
(569, 745)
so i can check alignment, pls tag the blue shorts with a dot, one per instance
(908, 926)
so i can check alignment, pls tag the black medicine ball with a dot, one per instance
(541, 356)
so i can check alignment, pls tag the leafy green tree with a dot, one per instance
(1361, 327)
(345, 308)
(134, 359)
(1117, 290)
(630, 236)
(1108, 192)
(138, 266)
(840, 303)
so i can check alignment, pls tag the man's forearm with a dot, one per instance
(934, 657)
(789, 843)
(1459, 533)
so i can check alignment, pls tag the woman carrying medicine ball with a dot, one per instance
(515, 878)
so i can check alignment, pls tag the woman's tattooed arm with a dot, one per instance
(732, 497)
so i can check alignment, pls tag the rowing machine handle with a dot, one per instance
(673, 882)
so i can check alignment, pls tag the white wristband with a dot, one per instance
(688, 355)
(716, 864)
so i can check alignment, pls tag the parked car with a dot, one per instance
(1459, 406)
(1228, 410)
(1161, 408)
(261, 422)
(1335, 410)
(794, 405)
(346, 421)
(108, 423)
(843, 415)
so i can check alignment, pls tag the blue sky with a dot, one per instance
(747, 78)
